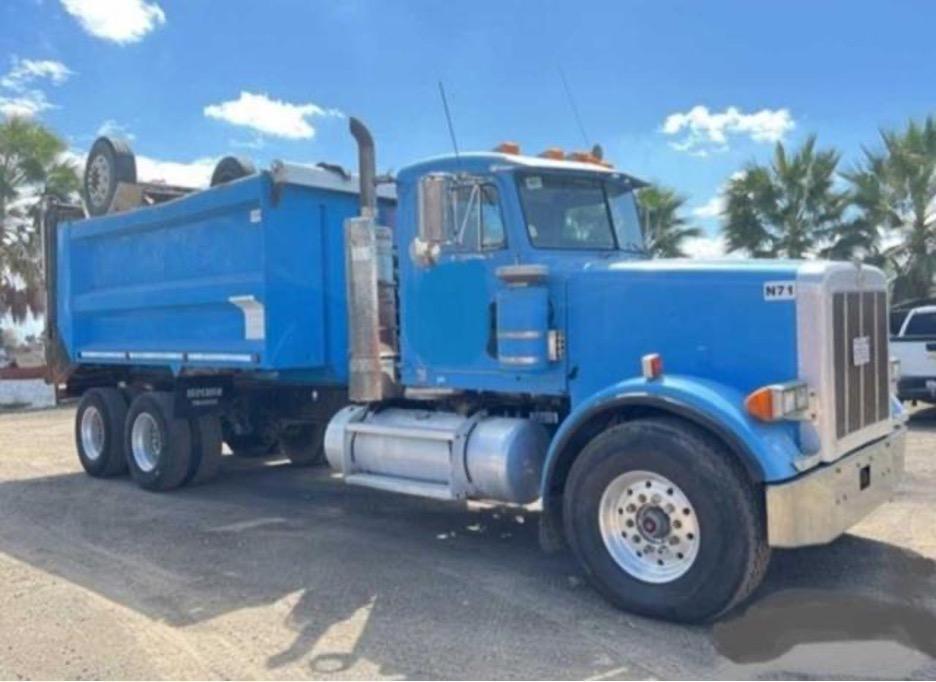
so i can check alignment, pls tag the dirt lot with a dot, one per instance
(272, 572)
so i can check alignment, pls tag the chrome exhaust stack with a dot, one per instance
(367, 167)
(371, 287)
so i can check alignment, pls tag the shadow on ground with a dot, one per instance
(395, 580)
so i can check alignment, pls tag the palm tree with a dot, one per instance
(894, 191)
(32, 166)
(787, 209)
(660, 209)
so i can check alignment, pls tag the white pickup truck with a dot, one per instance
(913, 343)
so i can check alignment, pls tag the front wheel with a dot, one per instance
(663, 521)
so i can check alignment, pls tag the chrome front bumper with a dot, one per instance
(817, 507)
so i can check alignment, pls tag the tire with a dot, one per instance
(165, 465)
(99, 424)
(700, 505)
(110, 162)
(206, 450)
(231, 168)
(304, 444)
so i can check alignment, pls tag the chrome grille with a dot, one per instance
(861, 391)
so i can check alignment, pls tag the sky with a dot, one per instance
(680, 93)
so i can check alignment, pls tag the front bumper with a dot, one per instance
(817, 507)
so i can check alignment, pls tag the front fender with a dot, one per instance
(767, 451)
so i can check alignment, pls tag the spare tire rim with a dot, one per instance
(146, 441)
(98, 180)
(649, 526)
(92, 433)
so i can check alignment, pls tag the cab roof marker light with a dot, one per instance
(508, 148)
(651, 366)
(554, 153)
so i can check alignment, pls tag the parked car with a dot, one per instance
(913, 343)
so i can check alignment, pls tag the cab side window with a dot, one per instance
(476, 222)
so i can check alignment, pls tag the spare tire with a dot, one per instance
(231, 168)
(110, 162)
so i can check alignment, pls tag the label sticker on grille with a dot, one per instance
(779, 291)
(861, 350)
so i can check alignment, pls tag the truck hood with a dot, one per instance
(727, 320)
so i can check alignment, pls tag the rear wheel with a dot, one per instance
(304, 444)
(206, 449)
(663, 522)
(99, 424)
(158, 444)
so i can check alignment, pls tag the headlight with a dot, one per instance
(779, 401)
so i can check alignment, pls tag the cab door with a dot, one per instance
(465, 322)
(449, 308)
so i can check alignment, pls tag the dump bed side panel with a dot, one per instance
(239, 276)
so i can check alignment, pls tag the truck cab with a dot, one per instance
(501, 334)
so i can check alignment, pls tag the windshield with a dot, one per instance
(579, 212)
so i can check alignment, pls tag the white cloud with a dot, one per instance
(25, 105)
(706, 247)
(120, 21)
(702, 131)
(195, 173)
(270, 116)
(18, 94)
(110, 127)
(26, 71)
(710, 209)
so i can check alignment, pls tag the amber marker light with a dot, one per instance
(778, 401)
(508, 148)
(651, 366)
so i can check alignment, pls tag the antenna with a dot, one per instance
(572, 105)
(448, 118)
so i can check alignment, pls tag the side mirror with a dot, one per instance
(433, 199)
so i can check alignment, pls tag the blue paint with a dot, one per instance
(160, 279)
(522, 327)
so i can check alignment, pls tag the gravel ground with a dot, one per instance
(272, 572)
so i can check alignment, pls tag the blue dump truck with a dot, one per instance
(483, 326)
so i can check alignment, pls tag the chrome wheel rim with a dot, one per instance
(146, 441)
(98, 180)
(92, 433)
(649, 526)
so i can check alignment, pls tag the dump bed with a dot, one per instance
(247, 275)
